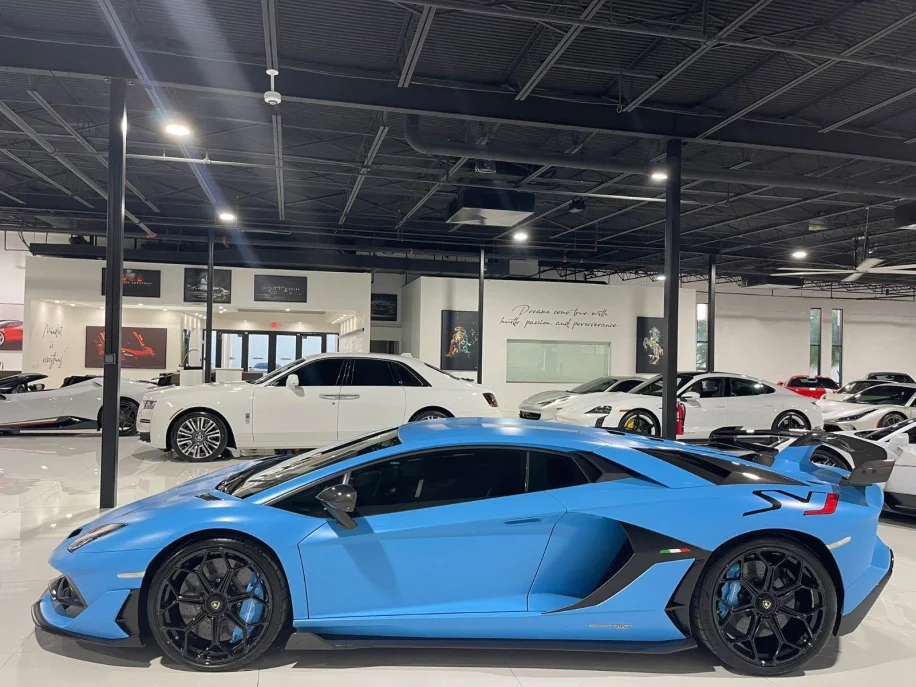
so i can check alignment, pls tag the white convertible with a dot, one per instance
(545, 404)
(25, 403)
(712, 401)
(878, 406)
(308, 403)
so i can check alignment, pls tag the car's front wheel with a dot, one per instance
(764, 607)
(127, 417)
(217, 604)
(429, 414)
(891, 419)
(199, 436)
(641, 422)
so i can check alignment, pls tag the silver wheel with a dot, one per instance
(891, 419)
(199, 436)
(429, 415)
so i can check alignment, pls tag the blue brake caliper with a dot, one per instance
(252, 608)
(729, 592)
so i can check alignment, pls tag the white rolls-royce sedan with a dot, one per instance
(306, 404)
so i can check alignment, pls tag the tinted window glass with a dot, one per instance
(856, 387)
(406, 376)
(306, 501)
(891, 377)
(803, 383)
(368, 372)
(653, 387)
(553, 471)
(437, 479)
(594, 386)
(748, 387)
(325, 372)
(826, 383)
(712, 387)
(627, 385)
(884, 394)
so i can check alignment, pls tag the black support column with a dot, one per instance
(711, 317)
(480, 319)
(672, 284)
(208, 330)
(114, 264)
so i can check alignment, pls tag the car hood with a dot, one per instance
(169, 392)
(548, 396)
(835, 409)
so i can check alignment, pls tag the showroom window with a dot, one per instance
(556, 361)
(814, 351)
(836, 348)
(702, 335)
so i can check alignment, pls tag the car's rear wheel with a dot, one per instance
(764, 607)
(2, 338)
(791, 419)
(127, 417)
(217, 604)
(199, 436)
(429, 414)
(640, 422)
(825, 456)
(891, 419)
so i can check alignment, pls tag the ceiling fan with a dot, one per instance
(867, 266)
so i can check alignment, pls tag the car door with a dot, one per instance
(752, 404)
(708, 412)
(442, 531)
(40, 407)
(371, 398)
(301, 417)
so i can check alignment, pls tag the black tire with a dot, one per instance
(198, 436)
(640, 422)
(825, 456)
(891, 419)
(2, 338)
(127, 417)
(791, 419)
(429, 414)
(779, 616)
(221, 622)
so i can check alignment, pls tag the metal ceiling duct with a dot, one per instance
(616, 166)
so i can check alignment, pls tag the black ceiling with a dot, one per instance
(822, 89)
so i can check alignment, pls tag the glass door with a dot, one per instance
(285, 350)
(311, 344)
(230, 354)
(258, 355)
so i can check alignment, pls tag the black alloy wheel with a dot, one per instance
(198, 436)
(217, 605)
(765, 607)
(891, 419)
(823, 456)
(127, 417)
(791, 419)
(640, 422)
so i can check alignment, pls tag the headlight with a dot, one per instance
(149, 405)
(854, 416)
(93, 534)
(600, 410)
(553, 400)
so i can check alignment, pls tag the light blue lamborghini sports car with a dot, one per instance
(487, 532)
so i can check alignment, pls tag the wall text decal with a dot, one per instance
(524, 316)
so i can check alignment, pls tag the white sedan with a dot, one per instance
(25, 403)
(309, 403)
(712, 401)
(878, 406)
(545, 404)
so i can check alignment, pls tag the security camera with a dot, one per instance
(272, 97)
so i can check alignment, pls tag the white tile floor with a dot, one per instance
(49, 484)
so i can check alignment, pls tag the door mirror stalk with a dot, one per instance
(339, 500)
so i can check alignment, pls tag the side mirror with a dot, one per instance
(690, 396)
(339, 501)
(292, 382)
(899, 440)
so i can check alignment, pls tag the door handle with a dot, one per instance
(523, 521)
(329, 397)
(348, 397)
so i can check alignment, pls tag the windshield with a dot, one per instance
(279, 372)
(883, 432)
(856, 387)
(274, 473)
(594, 386)
(884, 394)
(654, 386)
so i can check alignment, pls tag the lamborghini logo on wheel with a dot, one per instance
(214, 605)
(767, 605)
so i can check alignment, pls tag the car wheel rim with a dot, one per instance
(890, 421)
(770, 607)
(127, 417)
(214, 606)
(430, 416)
(640, 424)
(791, 421)
(198, 437)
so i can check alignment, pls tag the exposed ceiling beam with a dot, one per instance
(424, 24)
(364, 170)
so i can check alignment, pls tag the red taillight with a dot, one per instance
(491, 399)
(830, 505)
(681, 417)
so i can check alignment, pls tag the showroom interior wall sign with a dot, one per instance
(138, 283)
(384, 307)
(650, 344)
(11, 327)
(195, 285)
(459, 340)
(525, 315)
(141, 347)
(277, 288)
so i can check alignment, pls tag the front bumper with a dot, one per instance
(113, 619)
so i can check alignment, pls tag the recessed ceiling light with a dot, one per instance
(177, 129)
(73, 305)
(139, 305)
(659, 175)
(520, 236)
(800, 254)
(227, 216)
(58, 302)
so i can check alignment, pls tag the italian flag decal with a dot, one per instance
(675, 551)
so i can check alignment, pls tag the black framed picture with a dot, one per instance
(195, 285)
(141, 347)
(460, 340)
(650, 344)
(384, 307)
(275, 288)
(138, 283)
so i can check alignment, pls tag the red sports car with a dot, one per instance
(132, 346)
(11, 334)
(810, 386)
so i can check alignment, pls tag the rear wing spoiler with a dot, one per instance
(869, 461)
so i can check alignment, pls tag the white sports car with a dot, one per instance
(309, 403)
(545, 404)
(878, 406)
(712, 401)
(850, 389)
(25, 403)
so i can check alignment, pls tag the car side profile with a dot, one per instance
(882, 405)
(898, 377)
(850, 388)
(486, 532)
(810, 386)
(309, 403)
(545, 404)
(711, 400)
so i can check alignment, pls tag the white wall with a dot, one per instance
(12, 286)
(613, 308)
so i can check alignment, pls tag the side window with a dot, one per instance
(826, 383)
(554, 471)
(438, 478)
(371, 372)
(306, 502)
(406, 376)
(627, 384)
(325, 372)
(748, 387)
(711, 387)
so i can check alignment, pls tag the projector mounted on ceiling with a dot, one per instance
(494, 207)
